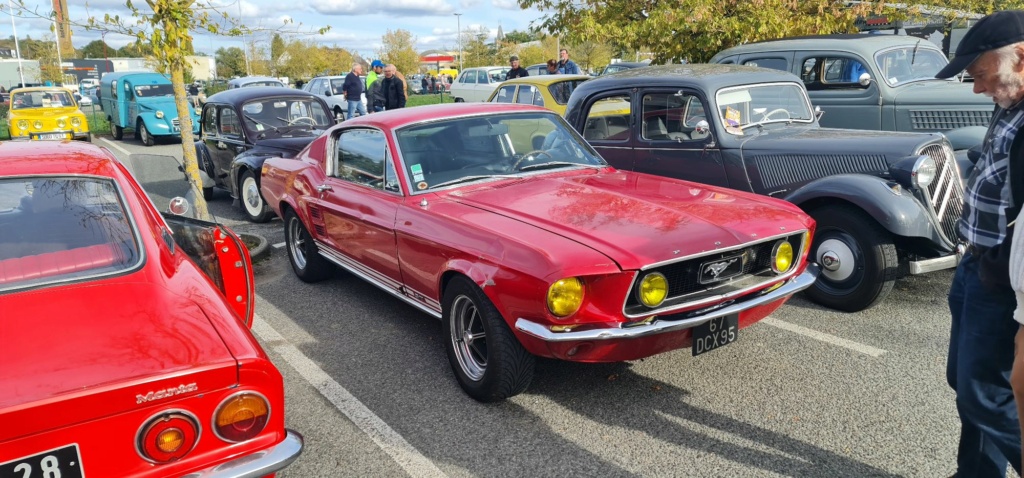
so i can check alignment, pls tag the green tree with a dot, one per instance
(97, 49)
(398, 47)
(475, 49)
(517, 37)
(277, 47)
(230, 62)
(137, 49)
(591, 55)
(697, 29)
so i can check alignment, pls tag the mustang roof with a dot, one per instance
(19, 158)
(401, 117)
(706, 77)
(241, 95)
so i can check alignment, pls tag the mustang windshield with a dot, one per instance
(478, 148)
(743, 106)
(62, 228)
(902, 65)
(269, 117)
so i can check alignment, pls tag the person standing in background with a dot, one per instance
(393, 89)
(565, 65)
(516, 71)
(353, 91)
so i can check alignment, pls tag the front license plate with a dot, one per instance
(64, 462)
(52, 136)
(715, 333)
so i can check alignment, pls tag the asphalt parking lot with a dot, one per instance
(809, 392)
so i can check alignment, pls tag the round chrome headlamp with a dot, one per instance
(924, 172)
(782, 256)
(565, 297)
(38, 124)
(76, 121)
(159, 114)
(62, 123)
(22, 124)
(653, 289)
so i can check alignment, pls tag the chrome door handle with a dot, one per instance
(324, 188)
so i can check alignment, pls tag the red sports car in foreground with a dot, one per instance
(126, 349)
(504, 223)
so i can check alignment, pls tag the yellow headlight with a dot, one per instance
(653, 289)
(38, 124)
(565, 297)
(782, 256)
(76, 121)
(22, 124)
(62, 123)
(159, 114)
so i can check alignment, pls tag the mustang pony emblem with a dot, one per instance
(166, 393)
(716, 268)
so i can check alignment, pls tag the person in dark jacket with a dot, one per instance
(393, 89)
(353, 91)
(424, 85)
(981, 299)
(516, 71)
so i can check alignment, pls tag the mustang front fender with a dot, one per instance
(898, 212)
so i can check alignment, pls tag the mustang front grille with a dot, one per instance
(946, 192)
(695, 279)
(781, 169)
(942, 120)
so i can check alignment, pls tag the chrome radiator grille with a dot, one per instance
(946, 192)
(942, 120)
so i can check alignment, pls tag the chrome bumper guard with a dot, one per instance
(258, 464)
(794, 285)
(925, 266)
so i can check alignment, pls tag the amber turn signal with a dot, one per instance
(241, 417)
(168, 437)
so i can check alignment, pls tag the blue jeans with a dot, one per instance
(354, 106)
(978, 369)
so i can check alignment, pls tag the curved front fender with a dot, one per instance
(966, 137)
(899, 213)
(156, 126)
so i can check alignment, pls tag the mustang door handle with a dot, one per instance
(324, 188)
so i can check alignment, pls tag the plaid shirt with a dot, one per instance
(987, 194)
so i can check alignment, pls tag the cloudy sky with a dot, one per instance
(356, 25)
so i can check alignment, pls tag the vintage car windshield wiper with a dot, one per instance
(556, 164)
(465, 179)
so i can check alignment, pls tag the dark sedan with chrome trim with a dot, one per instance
(886, 203)
(242, 127)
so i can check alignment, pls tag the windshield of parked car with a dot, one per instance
(154, 90)
(443, 153)
(41, 99)
(750, 105)
(283, 116)
(62, 228)
(909, 63)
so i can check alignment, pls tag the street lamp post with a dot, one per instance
(17, 48)
(458, 20)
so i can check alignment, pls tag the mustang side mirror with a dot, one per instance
(864, 79)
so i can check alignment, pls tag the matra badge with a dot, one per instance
(721, 269)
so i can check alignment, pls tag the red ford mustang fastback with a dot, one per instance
(120, 355)
(504, 223)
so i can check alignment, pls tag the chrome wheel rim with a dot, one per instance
(469, 339)
(251, 197)
(144, 133)
(838, 258)
(297, 243)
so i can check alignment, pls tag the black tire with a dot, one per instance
(499, 367)
(844, 233)
(302, 251)
(143, 133)
(255, 207)
(117, 131)
(460, 100)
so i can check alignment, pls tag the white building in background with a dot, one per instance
(203, 67)
(9, 76)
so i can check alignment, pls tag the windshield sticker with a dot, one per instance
(736, 130)
(421, 186)
(416, 169)
(417, 177)
(732, 116)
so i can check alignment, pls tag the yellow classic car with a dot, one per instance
(549, 91)
(46, 113)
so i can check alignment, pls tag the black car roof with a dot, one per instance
(707, 77)
(241, 95)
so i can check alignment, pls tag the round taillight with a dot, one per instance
(168, 437)
(241, 417)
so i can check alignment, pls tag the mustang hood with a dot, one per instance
(637, 219)
(64, 362)
(949, 94)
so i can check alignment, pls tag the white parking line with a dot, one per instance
(832, 339)
(407, 456)
(114, 145)
(279, 245)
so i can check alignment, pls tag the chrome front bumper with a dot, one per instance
(925, 266)
(261, 463)
(794, 285)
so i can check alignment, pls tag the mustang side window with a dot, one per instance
(360, 158)
(608, 119)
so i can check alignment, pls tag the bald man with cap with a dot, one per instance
(981, 297)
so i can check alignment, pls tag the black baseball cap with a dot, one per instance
(991, 32)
